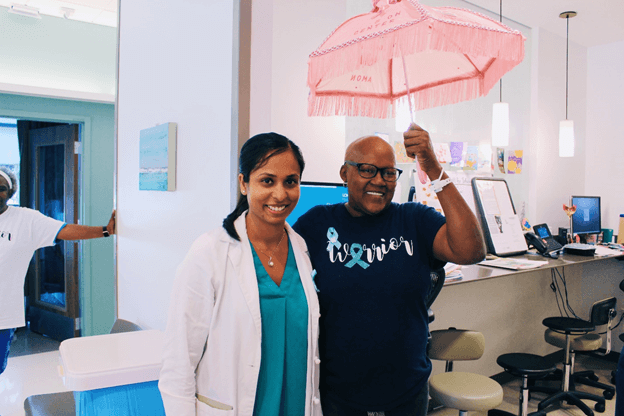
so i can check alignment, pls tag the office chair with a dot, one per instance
(621, 336)
(575, 335)
(63, 403)
(437, 281)
(601, 314)
(459, 390)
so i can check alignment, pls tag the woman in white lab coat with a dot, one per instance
(241, 337)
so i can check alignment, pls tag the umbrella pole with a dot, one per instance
(409, 98)
(422, 176)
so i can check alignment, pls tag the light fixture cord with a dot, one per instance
(501, 80)
(567, 47)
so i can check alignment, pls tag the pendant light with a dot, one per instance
(566, 127)
(500, 112)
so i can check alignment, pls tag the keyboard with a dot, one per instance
(580, 249)
(579, 246)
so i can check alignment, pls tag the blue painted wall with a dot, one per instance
(97, 285)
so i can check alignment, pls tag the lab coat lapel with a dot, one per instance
(242, 258)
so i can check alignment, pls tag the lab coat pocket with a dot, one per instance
(207, 406)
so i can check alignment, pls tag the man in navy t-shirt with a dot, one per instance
(373, 260)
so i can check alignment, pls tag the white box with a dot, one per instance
(111, 360)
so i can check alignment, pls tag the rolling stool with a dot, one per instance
(526, 366)
(569, 327)
(457, 390)
(602, 314)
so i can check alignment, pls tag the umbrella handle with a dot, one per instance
(409, 98)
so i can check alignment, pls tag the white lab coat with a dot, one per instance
(213, 336)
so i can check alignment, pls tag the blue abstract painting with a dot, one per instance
(157, 158)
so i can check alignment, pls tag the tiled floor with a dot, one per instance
(34, 359)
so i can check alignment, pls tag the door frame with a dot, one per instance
(84, 176)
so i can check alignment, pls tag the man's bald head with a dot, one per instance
(368, 195)
(365, 146)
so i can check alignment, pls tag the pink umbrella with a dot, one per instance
(452, 54)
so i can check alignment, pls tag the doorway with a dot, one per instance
(53, 295)
(49, 184)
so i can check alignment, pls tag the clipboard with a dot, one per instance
(499, 221)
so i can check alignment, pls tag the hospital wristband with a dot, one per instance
(439, 184)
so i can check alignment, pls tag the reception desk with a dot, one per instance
(508, 306)
(479, 272)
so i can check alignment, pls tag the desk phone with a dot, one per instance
(544, 242)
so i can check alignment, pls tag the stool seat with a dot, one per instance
(569, 325)
(583, 342)
(465, 391)
(522, 364)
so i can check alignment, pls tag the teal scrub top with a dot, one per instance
(283, 367)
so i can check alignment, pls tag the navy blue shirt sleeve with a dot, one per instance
(428, 222)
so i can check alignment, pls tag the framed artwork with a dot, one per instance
(157, 160)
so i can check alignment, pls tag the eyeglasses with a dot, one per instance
(368, 171)
(4, 189)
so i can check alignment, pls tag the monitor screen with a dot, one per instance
(586, 219)
(317, 193)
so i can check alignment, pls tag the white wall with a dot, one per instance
(279, 99)
(605, 136)
(555, 178)
(175, 66)
(54, 57)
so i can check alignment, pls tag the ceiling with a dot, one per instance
(597, 21)
(100, 12)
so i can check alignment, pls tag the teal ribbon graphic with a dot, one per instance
(332, 236)
(356, 257)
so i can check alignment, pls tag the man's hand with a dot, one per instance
(86, 232)
(110, 227)
(418, 145)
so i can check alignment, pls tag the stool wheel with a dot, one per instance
(608, 394)
(600, 407)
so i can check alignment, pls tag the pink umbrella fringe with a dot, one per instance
(348, 104)
(421, 37)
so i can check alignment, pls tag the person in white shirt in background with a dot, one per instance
(22, 232)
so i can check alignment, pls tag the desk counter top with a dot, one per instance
(478, 272)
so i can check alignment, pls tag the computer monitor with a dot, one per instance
(317, 193)
(586, 219)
